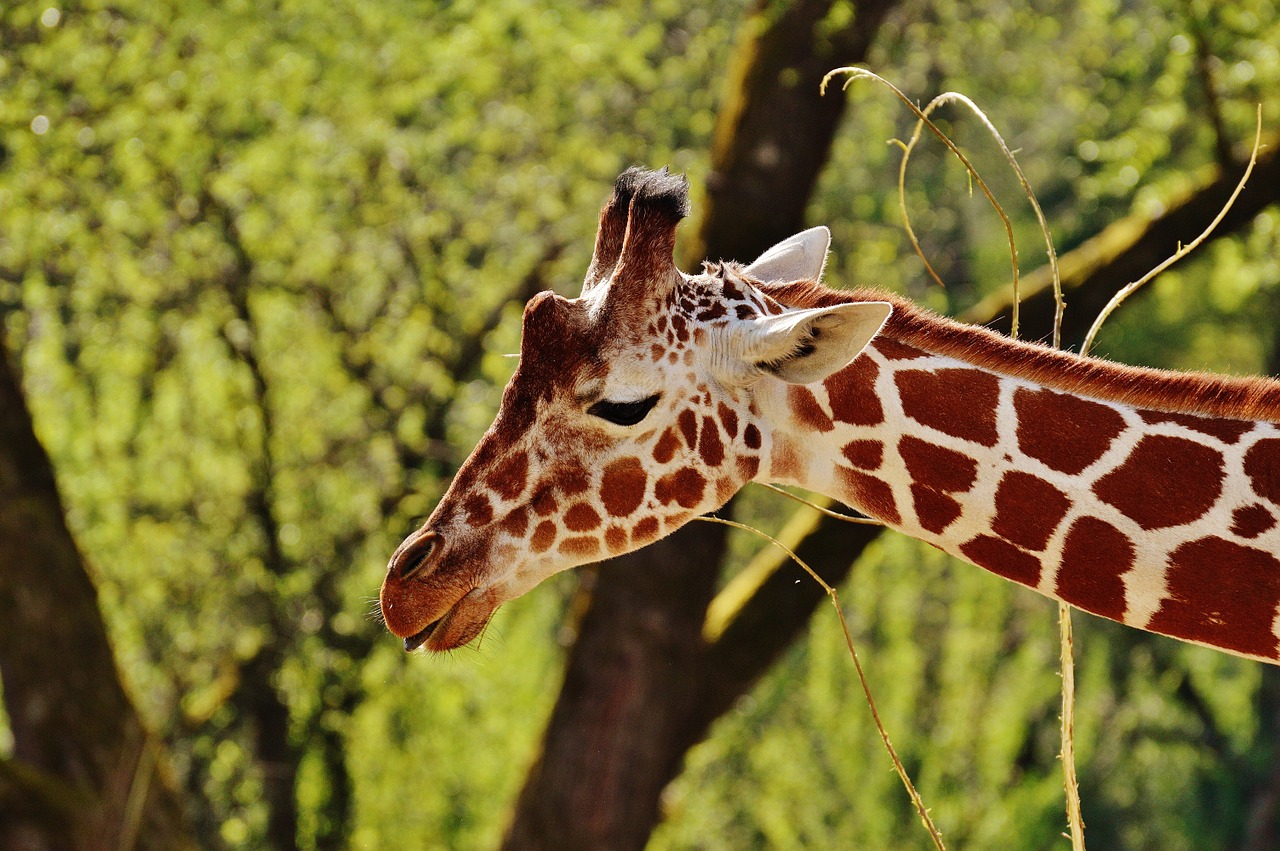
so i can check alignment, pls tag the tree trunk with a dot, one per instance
(260, 703)
(1129, 248)
(612, 742)
(643, 684)
(80, 749)
(629, 707)
(774, 131)
(1262, 828)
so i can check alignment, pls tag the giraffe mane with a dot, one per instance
(1234, 397)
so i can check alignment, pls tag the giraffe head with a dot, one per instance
(631, 412)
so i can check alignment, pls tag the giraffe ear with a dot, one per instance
(805, 346)
(796, 258)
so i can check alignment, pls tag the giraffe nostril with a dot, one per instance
(410, 560)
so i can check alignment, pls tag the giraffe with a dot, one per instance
(1148, 497)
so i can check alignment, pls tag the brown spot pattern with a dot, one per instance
(543, 537)
(869, 494)
(748, 466)
(999, 556)
(508, 479)
(645, 531)
(1228, 431)
(544, 502)
(864, 454)
(1028, 510)
(665, 449)
(715, 311)
(580, 547)
(581, 518)
(785, 460)
(615, 538)
(934, 509)
(517, 522)
(936, 466)
(479, 510)
(729, 419)
(805, 408)
(958, 402)
(681, 328)
(684, 487)
(622, 487)
(469, 474)
(1262, 466)
(1064, 432)
(725, 488)
(851, 392)
(709, 445)
(894, 350)
(751, 436)
(1221, 593)
(1094, 557)
(688, 424)
(1250, 521)
(573, 479)
(1165, 481)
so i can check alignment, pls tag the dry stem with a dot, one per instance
(948, 97)
(1183, 250)
(862, 677)
(860, 73)
(1066, 647)
(848, 518)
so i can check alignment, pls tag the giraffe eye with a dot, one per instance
(623, 413)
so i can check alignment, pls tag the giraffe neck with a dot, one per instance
(1146, 497)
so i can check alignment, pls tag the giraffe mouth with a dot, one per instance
(418, 639)
(460, 625)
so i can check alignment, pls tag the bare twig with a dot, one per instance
(861, 73)
(137, 799)
(949, 97)
(1183, 250)
(836, 515)
(1066, 647)
(921, 810)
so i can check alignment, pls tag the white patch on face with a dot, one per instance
(632, 375)
(593, 300)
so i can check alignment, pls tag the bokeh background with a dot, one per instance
(259, 265)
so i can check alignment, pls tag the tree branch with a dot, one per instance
(70, 716)
(38, 810)
(1129, 248)
(777, 612)
(633, 680)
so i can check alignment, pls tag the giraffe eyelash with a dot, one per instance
(623, 413)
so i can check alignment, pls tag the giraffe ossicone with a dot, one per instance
(1148, 497)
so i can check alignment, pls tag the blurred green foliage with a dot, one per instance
(258, 263)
